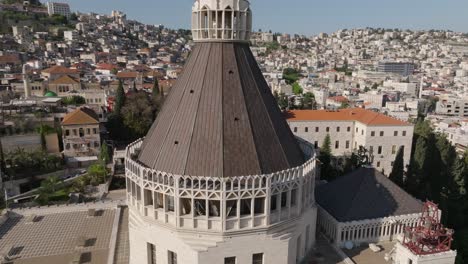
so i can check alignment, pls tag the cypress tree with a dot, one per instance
(119, 98)
(104, 156)
(156, 91)
(398, 168)
(326, 169)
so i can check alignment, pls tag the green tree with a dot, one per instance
(138, 115)
(156, 90)
(309, 100)
(119, 99)
(291, 75)
(326, 169)
(283, 101)
(297, 89)
(397, 174)
(97, 174)
(44, 130)
(104, 156)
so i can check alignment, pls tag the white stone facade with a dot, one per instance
(364, 231)
(382, 141)
(211, 219)
(221, 20)
(404, 256)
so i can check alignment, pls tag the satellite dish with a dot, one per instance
(349, 245)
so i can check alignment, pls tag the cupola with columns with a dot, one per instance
(221, 20)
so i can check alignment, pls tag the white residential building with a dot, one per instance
(351, 128)
(54, 8)
(452, 106)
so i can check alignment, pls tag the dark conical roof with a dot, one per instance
(220, 119)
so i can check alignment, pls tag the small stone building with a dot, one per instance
(81, 136)
(364, 207)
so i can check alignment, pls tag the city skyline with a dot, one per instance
(310, 18)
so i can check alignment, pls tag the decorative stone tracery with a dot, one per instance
(219, 204)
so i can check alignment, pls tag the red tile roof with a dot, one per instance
(364, 116)
(81, 116)
(60, 70)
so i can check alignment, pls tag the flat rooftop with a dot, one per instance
(58, 238)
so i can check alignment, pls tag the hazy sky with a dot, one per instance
(303, 16)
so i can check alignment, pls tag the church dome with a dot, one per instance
(221, 20)
(50, 94)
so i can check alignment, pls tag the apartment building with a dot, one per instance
(452, 106)
(54, 8)
(350, 128)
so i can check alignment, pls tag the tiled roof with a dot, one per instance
(365, 194)
(220, 119)
(60, 70)
(127, 74)
(81, 116)
(350, 114)
(64, 80)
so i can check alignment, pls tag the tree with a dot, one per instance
(326, 169)
(297, 89)
(138, 115)
(97, 174)
(397, 174)
(283, 101)
(309, 100)
(43, 131)
(119, 99)
(291, 75)
(156, 91)
(104, 156)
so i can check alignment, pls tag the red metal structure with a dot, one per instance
(429, 236)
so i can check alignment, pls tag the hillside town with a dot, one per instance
(79, 91)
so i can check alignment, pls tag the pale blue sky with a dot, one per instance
(303, 16)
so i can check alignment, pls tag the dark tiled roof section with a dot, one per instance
(365, 194)
(220, 119)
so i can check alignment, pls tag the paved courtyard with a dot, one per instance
(363, 255)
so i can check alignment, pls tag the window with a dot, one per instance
(273, 202)
(96, 144)
(306, 129)
(337, 144)
(231, 208)
(67, 132)
(293, 197)
(395, 134)
(347, 144)
(246, 206)
(200, 207)
(337, 129)
(379, 151)
(317, 129)
(259, 205)
(257, 258)
(230, 260)
(295, 129)
(378, 164)
(284, 199)
(381, 133)
(371, 149)
(169, 203)
(349, 129)
(171, 257)
(362, 132)
(393, 149)
(404, 133)
(75, 132)
(94, 130)
(357, 129)
(316, 144)
(328, 129)
(372, 134)
(214, 208)
(151, 253)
